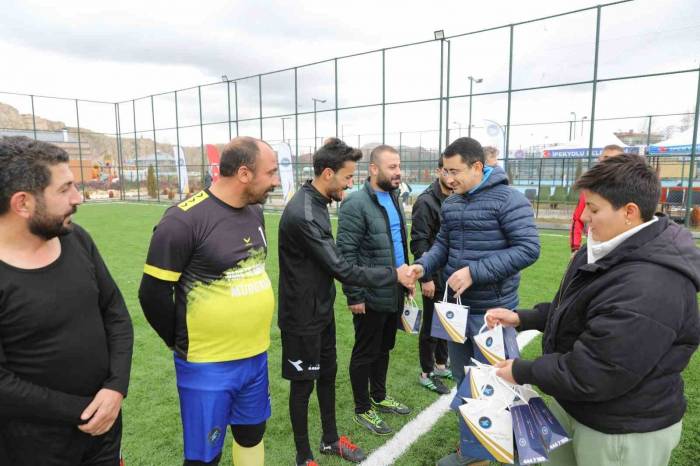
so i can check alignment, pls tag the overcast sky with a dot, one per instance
(114, 51)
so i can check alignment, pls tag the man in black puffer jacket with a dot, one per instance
(372, 232)
(432, 352)
(622, 326)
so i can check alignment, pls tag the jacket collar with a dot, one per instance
(315, 194)
(628, 247)
(373, 195)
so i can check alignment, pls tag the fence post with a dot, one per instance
(33, 118)
(383, 96)
(177, 140)
(447, 100)
(155, 149)
(296, 124)
(510, 93)
(80, 148)
(539, 190)
(693, 150)
(120, 155)
(595, 86)
(136, 152)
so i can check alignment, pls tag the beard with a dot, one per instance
(387, 184)
(47, 226)
(337, 196)
(259, 198)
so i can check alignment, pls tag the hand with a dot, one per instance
(102, 412)
(499, 315)
(416, 271)
(357, 308)
(505, 371)
(460, 281)
(405, 278)
(428, 289)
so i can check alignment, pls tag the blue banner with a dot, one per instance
(581, 152)
(673, 150)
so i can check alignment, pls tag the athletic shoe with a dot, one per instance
(308, 463)
(371, 420)
(344, 448)
(443, 373)
(433, 383)
(390, 405)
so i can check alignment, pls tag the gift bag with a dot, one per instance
(450, 320)
(481, 382)
(492, 425)
(410, 321)
(528, 441)
(497, 344)
(552, 432)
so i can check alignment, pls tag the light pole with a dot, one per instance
(574, 128)
(583, 119)
(284, 118)
(459, 127)
(323, 101)
(472, 80)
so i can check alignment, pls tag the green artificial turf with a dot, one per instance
(152, 432)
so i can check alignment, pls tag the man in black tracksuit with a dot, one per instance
(425, 225)
(309, 261)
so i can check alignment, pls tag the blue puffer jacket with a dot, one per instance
(492, 231)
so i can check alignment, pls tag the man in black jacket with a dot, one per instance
(65, 333)
(309, 261)
(622, 327)
(425, 225)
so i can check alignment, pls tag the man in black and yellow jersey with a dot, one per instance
(209, 253)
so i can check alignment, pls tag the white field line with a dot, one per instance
(403, 439)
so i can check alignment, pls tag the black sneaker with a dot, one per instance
(344, 448)
(433, 383)
(371, 420)
(390, 405)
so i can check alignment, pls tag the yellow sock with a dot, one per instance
(253, 456)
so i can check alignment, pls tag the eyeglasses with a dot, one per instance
(453, 172)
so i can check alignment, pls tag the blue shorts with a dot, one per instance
(215, 395)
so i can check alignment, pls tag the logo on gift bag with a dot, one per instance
(451, 321)
(488, 390)
(490, 343)
(407, 312)
(485, 422)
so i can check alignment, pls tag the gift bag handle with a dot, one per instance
(444, 296)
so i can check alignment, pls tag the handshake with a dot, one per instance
(459, 281)
(406, 275)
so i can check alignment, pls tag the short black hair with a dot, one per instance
(333, 154)
(440, 162)
(374, 155)
(242, 151)
(24, 166)
(469, 149)
(624, 179)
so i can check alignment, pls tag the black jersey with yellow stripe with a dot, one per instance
(215, 254)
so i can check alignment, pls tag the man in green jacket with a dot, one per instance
(372, 233)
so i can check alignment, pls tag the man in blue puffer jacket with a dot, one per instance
(487, 236)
